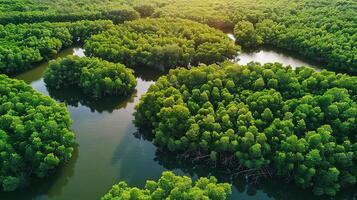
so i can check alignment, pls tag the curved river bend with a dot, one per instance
(108, 150)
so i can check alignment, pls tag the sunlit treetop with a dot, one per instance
(170, 186)
(162, 43)
(35, 135)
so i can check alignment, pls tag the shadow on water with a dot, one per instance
(74, 97)
(148, 74)
(50, 186)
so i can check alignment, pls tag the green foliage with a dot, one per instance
(96, 77)
(34, 11)
(310, 29)
(170, 186)
(34, 134)
(207, 12)
(301, 123)
(323, 30)
(161, 43)
(246, 34)
(22, 46)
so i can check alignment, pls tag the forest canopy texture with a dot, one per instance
(298, 123)
(95, 77)
(34, 11)
(34, 134)
(170, 186)
(23, 46)
(323, 30)
(161, 43)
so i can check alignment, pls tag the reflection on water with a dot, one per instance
(268, 54)
(272, 55)
(75, 97)
(108, 150)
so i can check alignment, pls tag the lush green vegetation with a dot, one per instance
(34, 134)
(96, 77)
(161, 43)
(323, 30)
(32, 11)
(22, 46)
(207, 12)
(310, 29)
(170, 186)
(295, 124)
(298, 124)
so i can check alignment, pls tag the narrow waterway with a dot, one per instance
(108, 150)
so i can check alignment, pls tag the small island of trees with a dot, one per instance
(96, 77)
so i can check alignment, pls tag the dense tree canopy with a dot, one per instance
(323, 30)
(301, 123)
(170, 186)
(96, 77)
(208, 12)
(161, 43)
(32, 11)
(34, 134)
(296, 124)
(22, 46)
(246, 35)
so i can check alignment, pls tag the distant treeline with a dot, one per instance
(323, 30)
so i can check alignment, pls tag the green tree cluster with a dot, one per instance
(170, 186)
(161, 43)
(34, 11)
(299, 123)
(22, 46)
(207, 12)
(310, 29)
(35, 136)
(246, 35)
(96, 77)
(323, 30)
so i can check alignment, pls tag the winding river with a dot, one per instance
(108, 149)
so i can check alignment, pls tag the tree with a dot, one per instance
(227, 113)
(246, 34)
(35, 136)
(96, 77)
(170, 186)
(161, 43)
